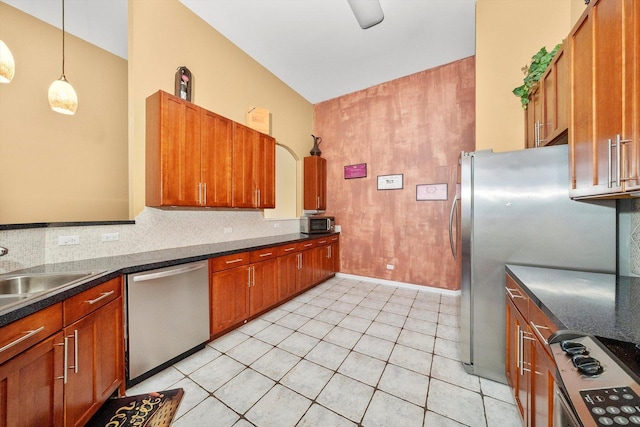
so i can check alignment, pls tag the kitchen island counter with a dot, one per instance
(110, 267)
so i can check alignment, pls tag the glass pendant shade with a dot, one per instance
(7, 64)
(62, 97)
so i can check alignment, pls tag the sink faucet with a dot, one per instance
(3, 251)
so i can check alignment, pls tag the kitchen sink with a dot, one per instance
(32, 283)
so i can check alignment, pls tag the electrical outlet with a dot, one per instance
(390, 267)
(276, 225)
(68, 240)
(227, 230)
(110, 237)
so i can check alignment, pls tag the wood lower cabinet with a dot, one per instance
(32, 387)
(604, 133)
(289, 265)
(264, 281)
(229, 291)
(529, 367)
(65, 378)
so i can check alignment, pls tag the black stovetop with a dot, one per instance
(627, 353)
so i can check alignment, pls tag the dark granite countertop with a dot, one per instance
(604, 305)
(109, 267)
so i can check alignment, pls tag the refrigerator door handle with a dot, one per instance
(451, 215)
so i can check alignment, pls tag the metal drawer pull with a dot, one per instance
(537, 331)
(75, 351)
(267, 254)
(308, 244)
(101, 297)
(28, 335)
(289, 249)
(64, 368)
(233, 261)
(511, 293)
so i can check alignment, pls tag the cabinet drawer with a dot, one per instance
(334, 239)
(323, 241)
(307, 244)
(519, 298)
(540, 324)
(84, 303)
(229, 261)
(263, 254)
(22, 334)
(288, 249)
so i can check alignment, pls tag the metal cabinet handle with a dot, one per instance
(75, 351)
(318, 206)
(26, 336)
(64, 368)
(610, 164)
(537, 331)
(328, 251)
(101, 297)
(451, 216)
(173, 272)
(267, 254)
(289, 249)
(511, 293)
(249, 277)
(518, 349)
(621, 142)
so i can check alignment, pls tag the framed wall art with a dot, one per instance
(390, 182)
(355, 171)
(431, 192)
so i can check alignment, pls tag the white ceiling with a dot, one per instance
(314, 46)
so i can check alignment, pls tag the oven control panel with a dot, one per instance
(619, 406)
(600, 391)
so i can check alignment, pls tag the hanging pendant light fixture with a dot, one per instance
(7, 65)
(368, 12)
(62, 96)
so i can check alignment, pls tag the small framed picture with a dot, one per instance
(431, 192)
(355, 171)
(390, 182)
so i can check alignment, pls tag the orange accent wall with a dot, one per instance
(416, 126)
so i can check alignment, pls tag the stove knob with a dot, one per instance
(572, 348)
(587, 365)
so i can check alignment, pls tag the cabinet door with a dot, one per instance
(315, 183)
(562, 92)
(631, 96)
(95, 362)
(265, 172)
(334, 255)
(264, 286)
(245, 141)
(517, 357)
(541, 389)
(288, 267)
(307, 273)
(31, 386)
(229, 298)
(173, 151)
(216, 148)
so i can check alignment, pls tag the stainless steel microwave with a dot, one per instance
(317, 224)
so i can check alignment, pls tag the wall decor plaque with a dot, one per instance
(390, 182)
(355, 171)
(431, 192)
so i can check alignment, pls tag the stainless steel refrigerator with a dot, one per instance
(515, 209)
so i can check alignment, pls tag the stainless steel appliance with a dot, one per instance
(593, 389)
(515, 208)
(167, 317)
(314, 224)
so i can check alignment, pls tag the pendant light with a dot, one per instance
(368, 12)
(7, 65)
(62, 96)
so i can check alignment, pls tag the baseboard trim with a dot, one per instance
(413, 286)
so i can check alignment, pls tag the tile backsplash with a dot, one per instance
(154, 229)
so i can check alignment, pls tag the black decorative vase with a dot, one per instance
(315, 151)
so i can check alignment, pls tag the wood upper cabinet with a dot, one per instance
(253, 168)
(605, 113)
(188, 154)
(546, 117)
(315, 183)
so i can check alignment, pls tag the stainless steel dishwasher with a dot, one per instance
(167, 317)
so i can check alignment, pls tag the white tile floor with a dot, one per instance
(345, 353)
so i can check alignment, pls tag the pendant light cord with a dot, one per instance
(63, 40)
